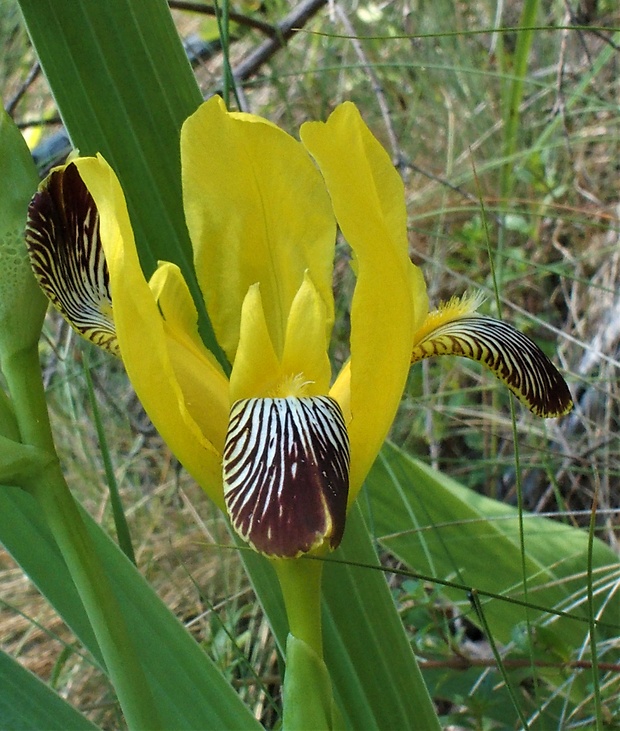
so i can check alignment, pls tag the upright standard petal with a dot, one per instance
(142, 337)
(257, 212)
(368, 200)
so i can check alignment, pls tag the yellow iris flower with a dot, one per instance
(282, 444)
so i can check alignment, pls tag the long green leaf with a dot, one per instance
(441, 529)
(124, 86)
(189, 690)
(27, 704)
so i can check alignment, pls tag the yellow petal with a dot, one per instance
(341, 390)
(200, 376)
(368, 199)
(257, 211)
(305, 349)
(303, 370)
(141, 334)
(256, 369)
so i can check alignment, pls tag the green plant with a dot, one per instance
(356, 632)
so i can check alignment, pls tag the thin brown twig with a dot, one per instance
(460, 662)
(295, 20)
(47, 122)
(193, 7)
(35, 70)
(397, 155)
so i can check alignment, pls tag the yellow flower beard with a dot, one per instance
(293, 385)
(453, 309)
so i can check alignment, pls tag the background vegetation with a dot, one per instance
(506, 187)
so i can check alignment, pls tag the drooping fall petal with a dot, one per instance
(257, 211)
(286, 473)
(62, 235)
(518, 362)
(368, 200)
(455, 328)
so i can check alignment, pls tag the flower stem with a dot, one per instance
(307, 693)
(49, 489)
(300, 581)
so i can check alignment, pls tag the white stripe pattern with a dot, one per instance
(509, 354)
(62, 236)
(286, 473)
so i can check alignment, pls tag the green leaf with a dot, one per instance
(189, 690)
(444, 530)
(124, 86)
(375, 677)
(27, 704)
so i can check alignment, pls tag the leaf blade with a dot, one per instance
(189, 690)
(26, 703)
(440, 528)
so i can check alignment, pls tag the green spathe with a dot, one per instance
(22, 303)
(308, 700)
(21, 464)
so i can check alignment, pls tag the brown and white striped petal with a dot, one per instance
(510, 355)
(62, 235)
(286, 473)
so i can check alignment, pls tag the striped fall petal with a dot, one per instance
(518, 362)
(286, 473)
(62, 236)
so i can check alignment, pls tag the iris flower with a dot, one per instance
(283, 445)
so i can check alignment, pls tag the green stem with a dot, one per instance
(308, 699)
(8, 423)
(300, 581)
(50, 490)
